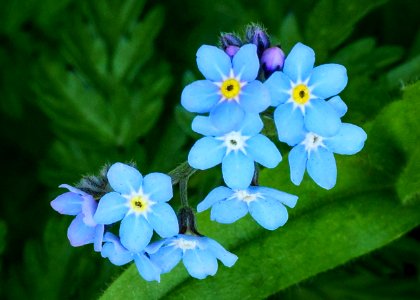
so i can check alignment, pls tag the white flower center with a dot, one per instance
(138, 203)
(243, 195)
(234, 141)
(312, 141)
(184, 244)
(300, 95)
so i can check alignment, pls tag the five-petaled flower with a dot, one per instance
(230, 89)
(266, 205)
(198, 253)
(141, 205)
(299, 92)
(237, 150)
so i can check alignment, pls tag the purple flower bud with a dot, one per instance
(230, 39)
(256, 35)
(272, 60)
(231, 50)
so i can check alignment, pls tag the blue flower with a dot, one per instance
(83, 229)
(230, 88)
(236, 150)
(315, 153)
(266, 205)
(299, 92)
(119, 255)
(140, 204)
(198, 253)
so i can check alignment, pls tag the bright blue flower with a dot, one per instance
(141, 205)
(198, 253)
(315, 154)
(83, 229)
(230, 89)
(119, 255)
(299, 92)
(237, 150)
(266, 205)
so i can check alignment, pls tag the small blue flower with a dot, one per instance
(299, 92)
(141, 205)
(83, 229)
(230, 89)
(315, 153)
(237, 150)
(266, 205)
(119, 255)
(198, 253)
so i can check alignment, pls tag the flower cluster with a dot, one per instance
(127, 216)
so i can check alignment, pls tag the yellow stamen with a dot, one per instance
(230, 88)
(301, 94)
(138, 204)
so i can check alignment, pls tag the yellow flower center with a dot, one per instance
(301, 94)
(138, 204)
(230, 88)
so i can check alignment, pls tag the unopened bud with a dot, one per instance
(272, 60)
(229, 39)
(231, 50)
(256, 35)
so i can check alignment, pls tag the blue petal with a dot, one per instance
(289, 124)
(217, 194)
(349, 140)
(328, 80)
(285, 198)
(213, 63)
(146, 268)
(246, 63)
(339, 105)
(98, 239)
(111, 208)
(158, 187)
(297, 162)
(321, 118)
(238, 170)
(227, 258)
(79, 233)
(263, 151)
(269, 213)
(227, 116)
(135, 232)
(89, 207)
(299, 63)
(200, 263)
(279, 86)
(123, 178)
(251, 125)
(206, 153)
(154, 247)
(204, 126)
(73, 189)
(322, 168)
(114, 251)
(228, 211)
(167, 258)
(68, 204)
(200, 96)
(254, 97)
(163, 220)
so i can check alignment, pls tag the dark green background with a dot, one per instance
(84, 83)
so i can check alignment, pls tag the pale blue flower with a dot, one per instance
(198, 253)
(236, 150)
(83, 229)
(266, 205)
(299, 92)
(119, 255)
(315, 154)
(230, 89)
(140, 204)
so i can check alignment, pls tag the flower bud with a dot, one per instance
(256, 35)
(272, 60)
(229, 39)
(231, 50)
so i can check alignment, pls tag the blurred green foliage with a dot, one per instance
(88, 82)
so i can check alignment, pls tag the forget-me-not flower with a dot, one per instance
(230, 89)
(140, 204)
(315, 154)
(198, 253)
(299, 92)
(266, 205)
(119, 255)
(83, 229)
(237, 150)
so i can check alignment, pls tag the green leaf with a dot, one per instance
(289, 32)
(404, 73)
(408, 184)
